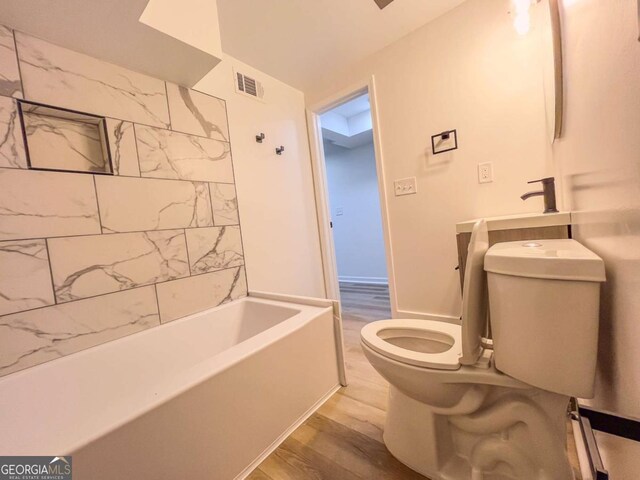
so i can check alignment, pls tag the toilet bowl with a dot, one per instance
(455, 411)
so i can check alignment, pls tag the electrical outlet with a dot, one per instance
(485, 172)
(405, 186)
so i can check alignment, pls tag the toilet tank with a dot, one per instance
(544, 305)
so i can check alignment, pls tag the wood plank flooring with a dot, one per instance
(343, 439)
(365, 302)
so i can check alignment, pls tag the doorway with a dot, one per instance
(352, 206)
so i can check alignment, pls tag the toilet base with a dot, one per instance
(512, 435)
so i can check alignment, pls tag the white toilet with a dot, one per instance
(459, 410)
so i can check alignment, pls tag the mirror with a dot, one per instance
(551, 44)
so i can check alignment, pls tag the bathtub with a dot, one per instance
(204, 397)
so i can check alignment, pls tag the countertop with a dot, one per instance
(523, 220)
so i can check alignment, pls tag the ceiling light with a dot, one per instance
(522, 17)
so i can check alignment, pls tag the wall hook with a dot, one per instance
(260, 137)
(279, 150)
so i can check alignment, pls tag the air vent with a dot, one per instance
(249, 86)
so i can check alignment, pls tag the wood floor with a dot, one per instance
(343, 439)
(365, 302)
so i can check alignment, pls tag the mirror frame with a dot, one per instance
(556, 28)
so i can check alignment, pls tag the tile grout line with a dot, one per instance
(109, 233)
(17, 55)
(135, 143)
(95, 190)
(166, 98)
(111, 117)
(213, 210)
(124, 290)
(186, 244)
(155, 288)
(53, 287)
(108, 175)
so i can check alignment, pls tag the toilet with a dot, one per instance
(463, 408)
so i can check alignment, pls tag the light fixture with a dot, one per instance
(522, 17)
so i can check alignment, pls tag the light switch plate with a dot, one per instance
(405, 186)
(339, 211)
(485, 172)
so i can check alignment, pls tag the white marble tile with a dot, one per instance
(214, 248)
(195, 294)
(63, 144)
(46, 204)
(139, 204)
(36, 336)
(12, 153)
(224, 203)
(58, 76)
(122, 145)
(93, 265)
(9, 74)
(25, 279)
(167, 154)
(197, 113)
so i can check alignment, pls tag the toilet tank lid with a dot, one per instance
(562, 259)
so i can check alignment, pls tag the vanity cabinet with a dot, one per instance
(513, 228)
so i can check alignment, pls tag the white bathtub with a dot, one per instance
(203, 397)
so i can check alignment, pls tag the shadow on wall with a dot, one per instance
(613, 233)
(436, 163)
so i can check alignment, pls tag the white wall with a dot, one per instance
(357, 233)
(275, 193)
(471, 71)
(599, 159)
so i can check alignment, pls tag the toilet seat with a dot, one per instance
(406, 340)
(409, 340)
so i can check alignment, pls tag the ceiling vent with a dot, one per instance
(248, 86)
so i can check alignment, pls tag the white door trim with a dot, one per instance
(322, 192)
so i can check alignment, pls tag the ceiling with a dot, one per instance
(353, 107)
(110, 30)
(298, 40)
(348, 125)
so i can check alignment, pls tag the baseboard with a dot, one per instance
(428, 316)
(271, 448)
(612, 423)
(581, 449)
(365, 280)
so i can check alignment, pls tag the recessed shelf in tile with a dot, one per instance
(59, 139)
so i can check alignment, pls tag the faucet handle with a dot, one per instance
(544, 180)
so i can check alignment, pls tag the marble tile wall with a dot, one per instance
(189, 295)
(12, 154)
(87, 258)
(10, 85)
(167, 154)
(133, 204)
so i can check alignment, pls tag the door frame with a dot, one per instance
(318, 165)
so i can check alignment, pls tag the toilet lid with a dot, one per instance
(423, 343)
(474, 297)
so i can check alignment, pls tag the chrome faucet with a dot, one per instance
(549, 192)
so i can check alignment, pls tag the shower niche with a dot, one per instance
(64, 140)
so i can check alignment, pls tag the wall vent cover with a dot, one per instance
(248, 86)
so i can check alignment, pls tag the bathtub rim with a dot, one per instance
(202, 371)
